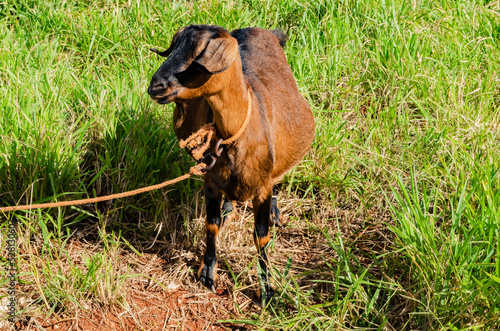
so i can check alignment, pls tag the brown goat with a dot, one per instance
(214, 76)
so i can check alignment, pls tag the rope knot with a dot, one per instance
(199, 142)
(198, 169)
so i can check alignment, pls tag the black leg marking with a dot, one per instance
(261, 236)
(207, 273)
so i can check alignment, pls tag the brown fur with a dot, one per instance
(280, 131)
(261, 242)
(212, 228)
(219, 74)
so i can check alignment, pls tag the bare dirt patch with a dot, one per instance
(146, 310)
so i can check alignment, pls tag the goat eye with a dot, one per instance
(194, 76)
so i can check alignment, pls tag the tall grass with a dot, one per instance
(406, 96)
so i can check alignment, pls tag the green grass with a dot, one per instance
(406, 96)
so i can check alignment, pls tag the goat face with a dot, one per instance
(197, 53)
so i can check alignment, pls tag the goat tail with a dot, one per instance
(281, 36)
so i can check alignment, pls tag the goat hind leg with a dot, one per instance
(262, 214)
(228, 212)
(275, 212)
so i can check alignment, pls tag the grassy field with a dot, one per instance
(392, 220)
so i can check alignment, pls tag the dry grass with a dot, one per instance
(168, 262)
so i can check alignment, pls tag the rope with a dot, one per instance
(243, 126)
(199, 142)
(195, 141)
(208, 131)
(196, 170)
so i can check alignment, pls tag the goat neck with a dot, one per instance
(230, 103)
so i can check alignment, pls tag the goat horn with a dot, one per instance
(163, 54)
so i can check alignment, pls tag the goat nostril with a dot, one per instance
(159, 86)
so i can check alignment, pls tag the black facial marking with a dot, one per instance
(194, 76)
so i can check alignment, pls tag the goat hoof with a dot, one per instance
(268, 295)
(208, 276)
(276, 216)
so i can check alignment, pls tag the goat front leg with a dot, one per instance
(262, 215)
(207, 274)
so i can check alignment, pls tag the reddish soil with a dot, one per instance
(179, 310)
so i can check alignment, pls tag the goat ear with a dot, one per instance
(219, 54)
(164, 53)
